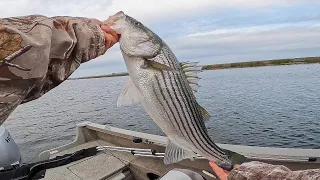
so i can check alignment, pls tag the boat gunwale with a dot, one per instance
(256, 153)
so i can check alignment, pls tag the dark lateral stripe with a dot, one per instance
(196, 128)
(199, 117)
(176, 124)
(192, 107)
(197, 139)
(185, 127)
(161, 102)
(187, 131)
(180, 110)
(196, 112)
(174, 108)
(210, 150)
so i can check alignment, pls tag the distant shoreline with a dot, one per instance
(101, 76)
(277, 62)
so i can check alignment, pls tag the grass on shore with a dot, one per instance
(101, 76)
(277, 62)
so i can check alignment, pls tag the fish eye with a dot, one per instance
(136, 23)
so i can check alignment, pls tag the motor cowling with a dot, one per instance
(10, 156)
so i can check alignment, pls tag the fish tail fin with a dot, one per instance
(234, 158)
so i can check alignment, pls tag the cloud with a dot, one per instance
(210, 31)
(150, 10)
(229, 45)
(256, 29)
(251, 43)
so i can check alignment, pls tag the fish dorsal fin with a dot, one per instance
(206, 116)
(129, 95)
(174, 153)
(191, 70)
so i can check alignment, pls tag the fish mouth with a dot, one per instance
(111, 21)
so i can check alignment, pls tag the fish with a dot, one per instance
(167, 89)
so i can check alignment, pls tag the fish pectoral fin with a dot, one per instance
(174, 153)
(129, 95)
(155, 65)
(205, 114)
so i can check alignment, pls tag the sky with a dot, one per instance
(209, 31)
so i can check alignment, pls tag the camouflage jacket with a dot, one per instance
(257, 170)
(38, 53)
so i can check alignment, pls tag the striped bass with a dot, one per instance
(166, 89)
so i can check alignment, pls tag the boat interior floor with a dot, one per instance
(116, 165)
(111, 165)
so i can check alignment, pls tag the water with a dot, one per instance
(265, 106)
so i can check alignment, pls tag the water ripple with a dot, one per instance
(267, 106)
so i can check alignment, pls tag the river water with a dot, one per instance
(265, 106)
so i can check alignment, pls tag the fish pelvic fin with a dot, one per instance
(174, 154)
(156, 65)
(129, 95)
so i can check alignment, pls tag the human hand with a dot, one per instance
(110, 35)
(221, 173)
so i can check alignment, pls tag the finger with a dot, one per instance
(219, 171)
(225, 171)
(109, 40)
(108, 22)
(107, 29)
(96, 21)
(112, 39)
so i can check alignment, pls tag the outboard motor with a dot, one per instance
(10, 156)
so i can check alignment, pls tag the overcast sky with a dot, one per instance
(210, 31)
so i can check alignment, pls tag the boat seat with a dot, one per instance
(103, 165)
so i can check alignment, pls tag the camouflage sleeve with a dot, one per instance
(38, 53)
(258, 170)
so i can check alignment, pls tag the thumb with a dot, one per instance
(219, 171)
